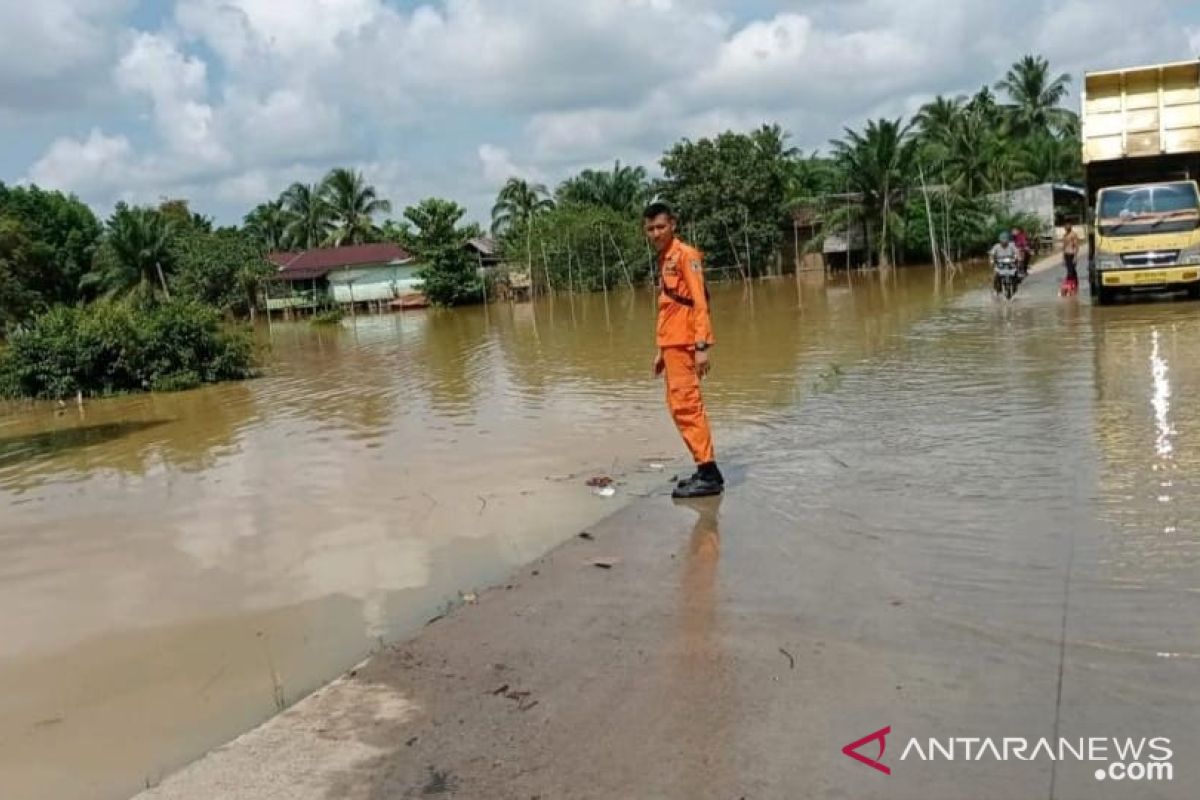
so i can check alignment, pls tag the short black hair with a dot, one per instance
(656, 209)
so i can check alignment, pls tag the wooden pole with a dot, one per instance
(746, 235)
(603, 270)
(621, 259)
(162, 280)
(937, 263)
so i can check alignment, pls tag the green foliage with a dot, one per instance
(20, 262)
(580, 248)
(112, 347)
(1035, 97)
(730, 194)
(517, 203)
(449, 275)
(267, 225)
(330, 316)
(223, 270)
(352, 202)
(134, 254)
(879, 164)
(624, 189)
(179, 214)
(62, 235)
(309, 218)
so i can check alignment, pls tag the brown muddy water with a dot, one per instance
(176, 568)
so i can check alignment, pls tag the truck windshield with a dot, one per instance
(1161, 208)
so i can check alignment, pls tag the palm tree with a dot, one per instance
(936, 117)
(267, 224)
(624, 189)
(1050, 159)
(134, 253)
(310, 216)
(879, 163)
(1034, 96)
(351, 202)
(518, 202)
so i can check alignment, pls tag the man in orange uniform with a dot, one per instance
(684, 337)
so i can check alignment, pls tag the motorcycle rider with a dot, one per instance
(1002, 249)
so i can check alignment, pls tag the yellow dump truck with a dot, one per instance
(1141, 158)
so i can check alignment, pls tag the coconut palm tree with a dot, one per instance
(1049, 159)
(879, 163)
(936, 117)
(311, 219)
(518, 202)
(267, 224)
(1034, 96)
(351, 202)
(134, 254)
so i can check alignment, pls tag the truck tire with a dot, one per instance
(1104, 297)
(1193, 291)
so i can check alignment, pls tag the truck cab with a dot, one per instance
(1141, 155)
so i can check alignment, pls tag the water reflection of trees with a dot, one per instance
(187, 431)
(452, 361)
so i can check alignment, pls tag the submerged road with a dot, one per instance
(988, 528)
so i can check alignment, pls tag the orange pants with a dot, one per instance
(686, 404)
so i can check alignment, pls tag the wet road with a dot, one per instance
(985, 505)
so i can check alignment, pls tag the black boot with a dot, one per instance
(708, 470)
(707, 482)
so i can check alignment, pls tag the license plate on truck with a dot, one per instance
(1155, 276)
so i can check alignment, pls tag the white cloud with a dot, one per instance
(96, 162)
(1193, 36)
(498, 166)
(286, 124)
(177, 86)
(454, 96)
(54, 51)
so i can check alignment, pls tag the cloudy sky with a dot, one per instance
(226, 102)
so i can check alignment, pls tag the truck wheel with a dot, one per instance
(1104, 297)
(1193, 291)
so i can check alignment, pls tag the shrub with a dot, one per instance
(330, 316)
(115, 347)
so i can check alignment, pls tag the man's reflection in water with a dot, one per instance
(702, 681)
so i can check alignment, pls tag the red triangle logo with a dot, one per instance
(875, 763)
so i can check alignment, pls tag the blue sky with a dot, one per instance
(226, 102)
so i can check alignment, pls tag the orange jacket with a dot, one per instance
(681, 269)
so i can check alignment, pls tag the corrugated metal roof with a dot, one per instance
(309, 264)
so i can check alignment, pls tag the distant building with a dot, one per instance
(485, 250)
(368, 274)
(1054, 204)
(508, 281)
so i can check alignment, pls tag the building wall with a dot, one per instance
(371, 283)
(1037, 200)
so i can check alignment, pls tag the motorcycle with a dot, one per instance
(1006, 276)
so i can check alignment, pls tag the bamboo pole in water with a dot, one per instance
(546, 269)
(621, 259)
(933, 248)
(570, 274)
(603, 270)
(746, 235)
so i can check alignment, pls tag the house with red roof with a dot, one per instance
(369, 275)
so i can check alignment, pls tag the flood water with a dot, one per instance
(175, 568)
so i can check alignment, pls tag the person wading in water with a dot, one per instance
(684, 337)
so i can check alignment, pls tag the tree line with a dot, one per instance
(920, 190)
